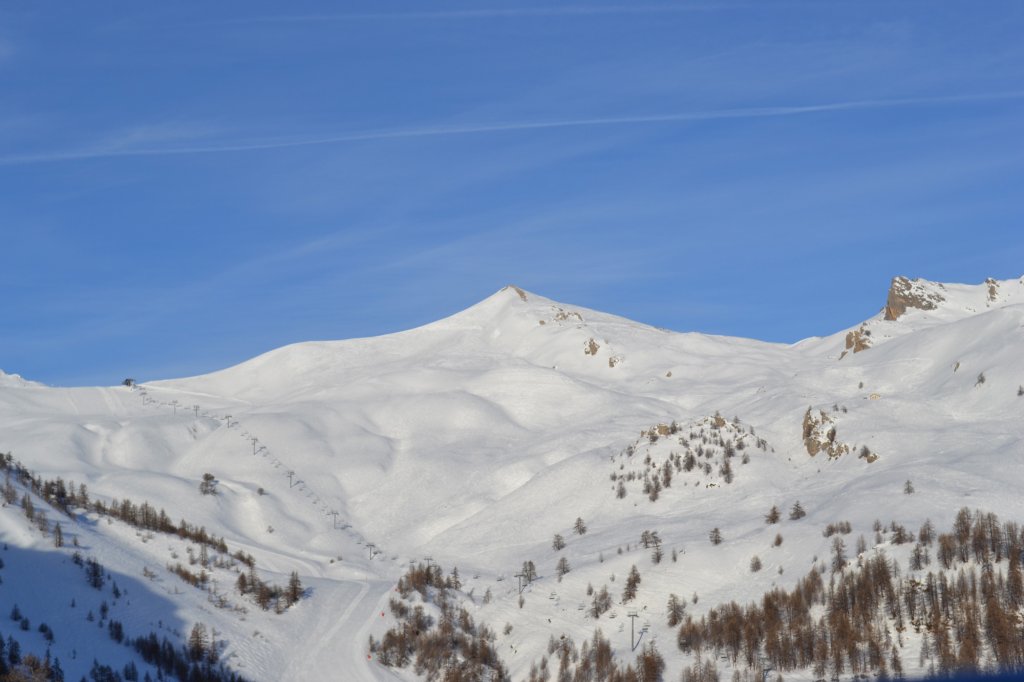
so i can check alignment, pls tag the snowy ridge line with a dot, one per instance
(145, 517)
(477, 439)
(276, 462)
(163, 656)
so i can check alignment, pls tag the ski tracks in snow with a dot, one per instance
(340, 641)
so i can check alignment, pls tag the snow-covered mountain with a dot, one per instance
(476, 439)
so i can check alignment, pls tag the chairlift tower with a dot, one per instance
(634, 641)
(522, 581)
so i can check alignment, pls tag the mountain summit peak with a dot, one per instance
(519, 292)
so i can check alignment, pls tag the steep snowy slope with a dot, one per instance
(475, 439)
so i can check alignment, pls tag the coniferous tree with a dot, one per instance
(198, 642)
(926, 536)
(602, 602)
(579, 526)
(838, 554)
(797, 512)
(675, 610)
(28, 507)
(558, 542)
(632, 582)
(294, 593)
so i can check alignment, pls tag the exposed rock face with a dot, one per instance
(820, 435)
(562, 315)
(858, 340)
(590, 347)
(993, 288)
(904, 293)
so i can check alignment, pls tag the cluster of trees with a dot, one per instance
(181, 662)
(602, 601)
(967, 616)
(208, 486)
(796, 513)
(64, 498)
(700, 446)
(16, 666)
(423, 578)
(452, 647)
(145, 517)
(55, 493)
(594, 661)
(196, 661)
(267, 595)
(650, 540)
(842, 527)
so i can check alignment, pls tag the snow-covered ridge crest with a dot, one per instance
(923, 295)
(15, 381)
(917, 304)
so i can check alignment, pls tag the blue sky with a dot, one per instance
(186, 185)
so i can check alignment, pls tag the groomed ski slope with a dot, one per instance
(473, 440)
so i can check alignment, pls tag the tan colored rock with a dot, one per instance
(904, 293)
(993, 288)
(819, 435)
(562, 315)
(858, 340)
(590, 347)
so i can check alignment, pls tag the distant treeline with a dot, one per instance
(968, 612)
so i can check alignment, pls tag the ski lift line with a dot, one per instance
(257, 449)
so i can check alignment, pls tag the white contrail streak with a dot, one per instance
(515, 12)
(444, 131)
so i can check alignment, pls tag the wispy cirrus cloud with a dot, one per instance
(128, 144)
(496, 13)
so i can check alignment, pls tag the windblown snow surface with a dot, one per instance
(477, 438)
